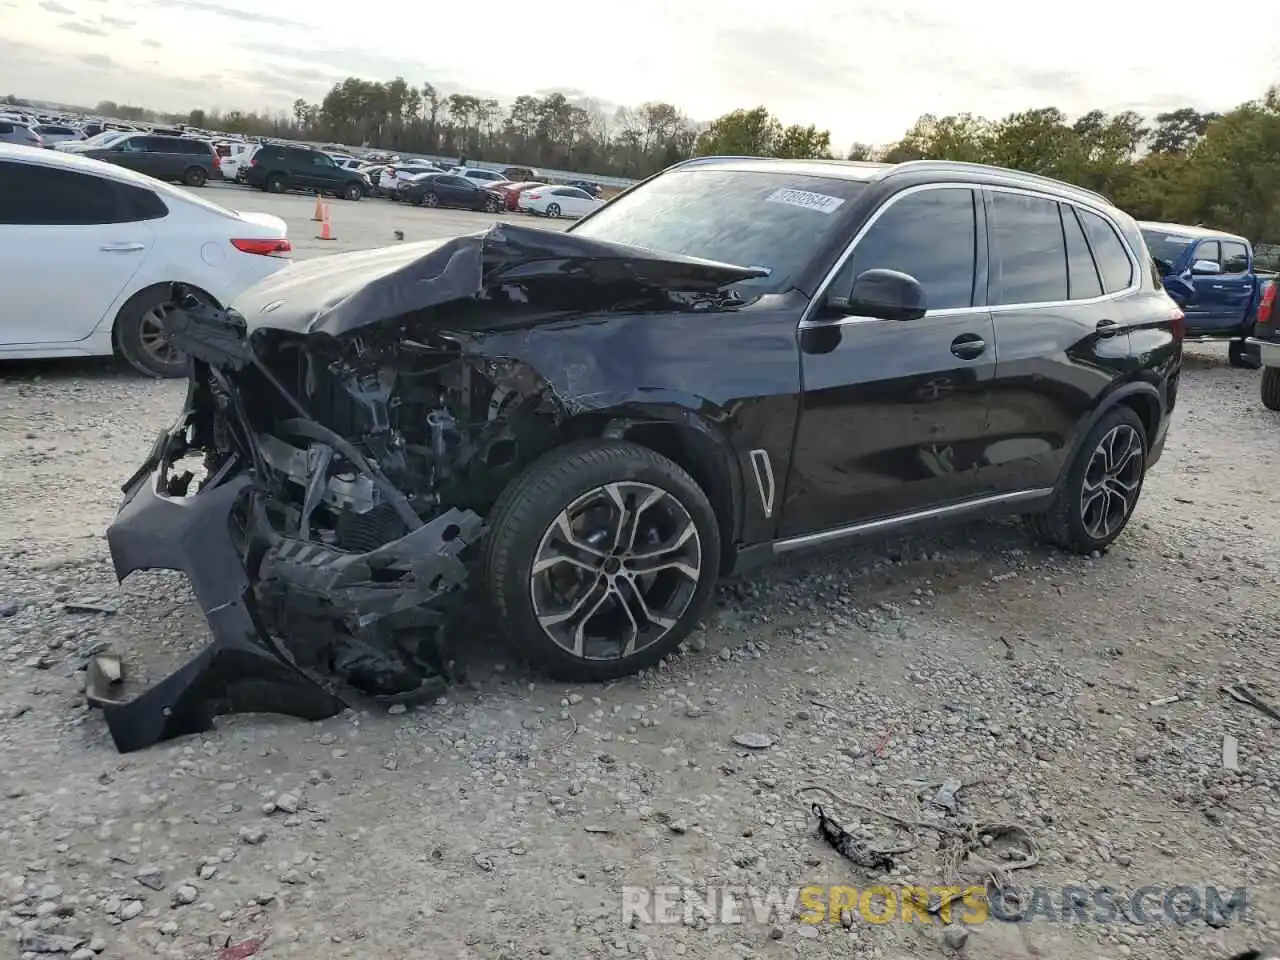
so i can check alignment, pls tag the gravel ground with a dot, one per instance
(504, 821)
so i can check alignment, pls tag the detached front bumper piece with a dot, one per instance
(268, 598)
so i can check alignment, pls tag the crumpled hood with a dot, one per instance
(337, 294)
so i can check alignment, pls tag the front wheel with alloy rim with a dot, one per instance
(353, 191)
(141, 337)
(430, 200)
(1101, 489)
(600, 558)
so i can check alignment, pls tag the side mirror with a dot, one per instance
(1205, 268)
(885, 295)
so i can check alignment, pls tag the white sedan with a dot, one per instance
(553, 201)
(89, 251)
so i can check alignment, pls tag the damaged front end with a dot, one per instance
(338, 446)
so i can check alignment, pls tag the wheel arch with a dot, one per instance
(695, 446)
(1139, 396)
(145, 293)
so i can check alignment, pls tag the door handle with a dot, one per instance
(1107, 328)
(122, 247)
(967, 346)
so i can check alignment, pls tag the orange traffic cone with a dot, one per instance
(319, 214)
(326, 233)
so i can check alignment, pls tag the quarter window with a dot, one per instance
(928, 235)
(44, 196)
(1031, 250)
(1109, 251)
(1235, 257)
(1082, 273)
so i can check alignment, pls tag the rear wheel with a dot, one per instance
(1271, 388)
(1101, 489)
(600, 558)
(492, 205)
(353, 191)
(195, 177)
(553, 210)
(276, 183)
(1243, 355)
(141, 337)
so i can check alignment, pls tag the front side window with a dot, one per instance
(46, 196)
(1109, 251)
(1207, 250)
(929, 235)
(750, 218)
(1027, 241)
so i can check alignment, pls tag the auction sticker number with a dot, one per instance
(803, 198)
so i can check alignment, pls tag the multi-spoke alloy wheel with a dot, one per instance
(600, 557)
(1112, 481)
(615, 570)
(1097, 496)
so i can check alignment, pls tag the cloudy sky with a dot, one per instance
(865, 69)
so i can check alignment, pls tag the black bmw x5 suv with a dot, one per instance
(734, 359)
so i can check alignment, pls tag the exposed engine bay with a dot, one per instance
(346, 428)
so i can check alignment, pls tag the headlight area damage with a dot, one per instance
(350, 421)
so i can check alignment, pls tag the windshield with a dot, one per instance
(1165, 247)
(777, 221)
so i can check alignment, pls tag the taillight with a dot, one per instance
(534, 196)
(1177, 324)
(1267, 306)
(217, 162)
(267, 248)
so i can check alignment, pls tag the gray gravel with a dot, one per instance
(504, 820)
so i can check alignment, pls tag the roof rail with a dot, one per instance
(1002, 171)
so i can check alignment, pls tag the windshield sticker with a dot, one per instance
(803, 198)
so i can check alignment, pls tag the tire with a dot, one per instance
(429, 199)
(276, 183)
(353, 191)
(1271, 388)
(195, 177)
(1243, 356)
(139, 339)
(1067, 524)
(523, 528)
(492, 206)
(553, 210)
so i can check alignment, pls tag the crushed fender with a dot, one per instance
(348, 423)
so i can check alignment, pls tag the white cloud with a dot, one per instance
(858, 67)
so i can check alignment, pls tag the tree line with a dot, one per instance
(1183, 165)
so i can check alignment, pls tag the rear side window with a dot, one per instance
(1082, 273)
(140, 203)
(45, 196)
(929, 235)
(6, 127)
(197, 147)
(1026, 233)
(1235, 257)
(1109, 252)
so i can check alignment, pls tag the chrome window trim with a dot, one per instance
(1135, 276)
(762, 467)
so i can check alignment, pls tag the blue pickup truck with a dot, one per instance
(1212, 277)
